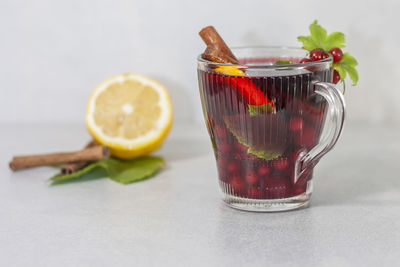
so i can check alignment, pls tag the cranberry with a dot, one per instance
(305, 60)
(336, 53)
(318, 54)
(276, 186)
(220, 131)
(263, 170)
(224, 147)
(296, 124)
(280, 164)
(240, 148)
(238, 156)
(300, 186)
(307, 137)
(237, 185)
(251, 178)
(336, 76)
(253, 192)
(233, 166)
(295, 155)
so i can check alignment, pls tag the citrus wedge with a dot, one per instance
(130, 113)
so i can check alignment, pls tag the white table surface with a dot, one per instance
(178, 219)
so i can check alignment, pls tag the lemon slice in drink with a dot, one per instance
(130, 113)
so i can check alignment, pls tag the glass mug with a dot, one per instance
(270, 126)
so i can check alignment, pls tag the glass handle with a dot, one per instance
(331, 131)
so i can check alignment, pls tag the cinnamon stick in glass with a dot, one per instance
(87, 154)
(213, 40)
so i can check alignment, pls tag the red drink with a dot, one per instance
(256, 149)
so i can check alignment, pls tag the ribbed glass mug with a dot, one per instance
(269, 124)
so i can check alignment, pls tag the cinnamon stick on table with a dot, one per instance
(76, 166)
(87, 154)
(216, 44)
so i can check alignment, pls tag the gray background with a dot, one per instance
(53, 53)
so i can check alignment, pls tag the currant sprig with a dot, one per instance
(320, 45)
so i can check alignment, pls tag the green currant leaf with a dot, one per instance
(341, 70)
(353, 74)
(318, 33)
(308, 42)
(347, 59)
(335, 39)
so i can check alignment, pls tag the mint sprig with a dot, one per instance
(319, 39)
(122, 171)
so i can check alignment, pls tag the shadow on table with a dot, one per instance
(357, 181)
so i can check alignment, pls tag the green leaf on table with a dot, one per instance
(134, 170)
(122, 171)
(89, 168)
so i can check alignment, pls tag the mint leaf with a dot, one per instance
(262, 134)
(260, 109)
(134, 170)
(335, 39)
(283, 62)
(89, 168)
(308, 42)
(122, 171)
(318, 34)
(265, 154)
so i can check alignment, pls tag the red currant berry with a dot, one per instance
(336, 53)
(251, 178)
(296, 124)
(336, 76)
(263, 170)
(318, 54)
(305, 60)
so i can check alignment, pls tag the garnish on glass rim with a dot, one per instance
(320, 44)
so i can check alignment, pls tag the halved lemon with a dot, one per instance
(130, 113)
